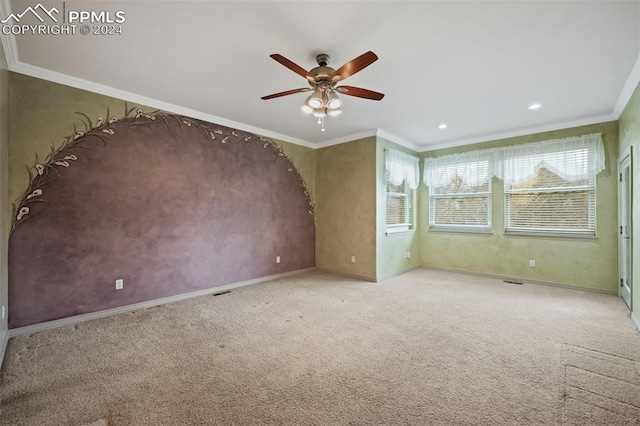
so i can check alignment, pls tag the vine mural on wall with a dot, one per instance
(104, 129)
(168, 203)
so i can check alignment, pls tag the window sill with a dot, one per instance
(480, 233)
(551, 236)
(392, 233)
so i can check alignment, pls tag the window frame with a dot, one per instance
(401, 171)
(410, 213)
(589, 233)
(459, 228)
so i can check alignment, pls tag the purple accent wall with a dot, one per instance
(166, 206)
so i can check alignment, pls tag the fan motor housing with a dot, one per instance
(322, 73)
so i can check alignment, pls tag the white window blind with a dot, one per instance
(402, 177)
(460, 195)
(551, 193)
(399, 207)
(550, 187)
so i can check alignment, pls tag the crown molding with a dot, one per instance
(8, 40)
(398, 140)
(366, 134)
(13, 64)
(347, 138)
(627, 90)
(524, 132)
(79, 83)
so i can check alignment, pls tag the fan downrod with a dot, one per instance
(323, 59)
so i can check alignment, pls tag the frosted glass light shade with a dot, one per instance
(333, 101)
(315, 100)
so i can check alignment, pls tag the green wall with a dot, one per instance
(305, 160)
(629, 129)
(5, 210)
(590, 263)
(346, 208)
(390, 249)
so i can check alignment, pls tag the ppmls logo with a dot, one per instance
(102, 22)
(34, 12)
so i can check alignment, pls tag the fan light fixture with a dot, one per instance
(324, 100)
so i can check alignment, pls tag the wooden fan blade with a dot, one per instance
(350, 68)
(294, 67)
(360, 92)
(288, 92)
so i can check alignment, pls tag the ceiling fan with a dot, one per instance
(323, 80)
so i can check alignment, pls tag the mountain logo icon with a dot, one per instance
(34, 11)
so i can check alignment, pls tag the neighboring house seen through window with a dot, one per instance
(549, 187)
(460, 197)
(555, 198)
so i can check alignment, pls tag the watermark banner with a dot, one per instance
(62, 18)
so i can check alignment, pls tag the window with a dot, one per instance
(550, 187)
(551, 193)
(402, 174)
(460, 197)
(399, 207)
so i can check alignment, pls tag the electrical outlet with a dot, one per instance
(119, 284)
(277, 259)
(353, 259)
(532, 263)
(407, 254)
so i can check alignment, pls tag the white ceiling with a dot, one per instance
(473, 65)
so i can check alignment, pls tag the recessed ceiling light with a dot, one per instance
(534, 106)
(443, 126)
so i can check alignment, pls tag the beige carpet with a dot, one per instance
(426, 347)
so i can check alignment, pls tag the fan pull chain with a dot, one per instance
(322, 124)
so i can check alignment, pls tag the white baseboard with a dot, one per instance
(28, 329)
(345, 274)
(635, 320)
(395, 274)
(3, 347)
(523, 280)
